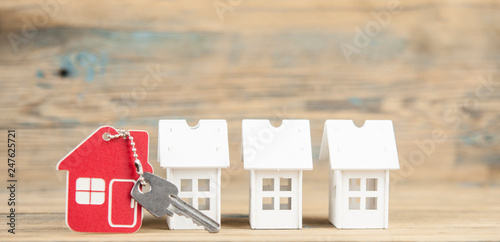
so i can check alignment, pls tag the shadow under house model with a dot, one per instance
(360, 160)
(193, 158)
(276, 157)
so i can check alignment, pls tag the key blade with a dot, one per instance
(184, 209)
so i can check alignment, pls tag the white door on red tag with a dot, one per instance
(123, 208)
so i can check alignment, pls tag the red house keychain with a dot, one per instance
(101, 174)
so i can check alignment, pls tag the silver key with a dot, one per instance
(162, 199)
(182, 208)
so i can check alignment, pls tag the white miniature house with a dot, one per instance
(360, 161)
(193, 158)
(276, 157)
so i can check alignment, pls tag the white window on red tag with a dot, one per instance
(90, 191)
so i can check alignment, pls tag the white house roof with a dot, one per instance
(266, 147)
(202, 146)
(371, 147)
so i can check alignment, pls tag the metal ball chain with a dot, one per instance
(124, 134)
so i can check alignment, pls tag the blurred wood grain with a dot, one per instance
(67, 67)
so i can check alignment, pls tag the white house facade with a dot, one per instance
(276, 157)
(360, 161)
(193, 158)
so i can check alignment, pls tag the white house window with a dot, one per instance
(354, 203)
(354, 184)
(363, 194)
(285, 184)
(186, 185)
(196, 192)
(268, 184)
(268, 203)
(90, 191)
(371, 184)
(371, 203)
(188, 200)
(285, 203)
(203, 203)
(203, 185)
(277, 190)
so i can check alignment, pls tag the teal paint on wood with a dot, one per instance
(84, 64)
(44, 85)
(39, 74)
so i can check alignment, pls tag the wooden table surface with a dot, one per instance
(68, 67)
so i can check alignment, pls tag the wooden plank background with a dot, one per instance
(67, 67)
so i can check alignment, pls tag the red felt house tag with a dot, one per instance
(101, 175)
